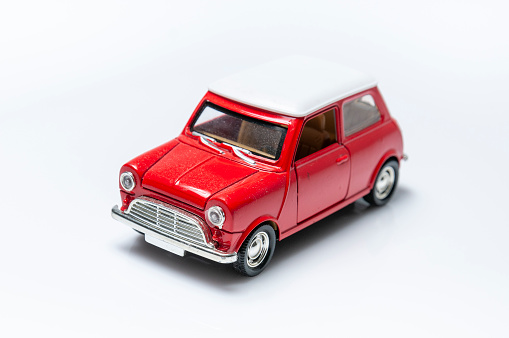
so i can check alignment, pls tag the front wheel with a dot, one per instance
(256, 251)
(385, 183)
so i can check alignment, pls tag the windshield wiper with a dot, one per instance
(241, 153)
(207, 141)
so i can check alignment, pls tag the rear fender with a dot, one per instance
(391, 154)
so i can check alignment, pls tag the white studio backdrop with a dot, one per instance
(86, 86)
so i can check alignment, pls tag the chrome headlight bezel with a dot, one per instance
(216, 216)
(129, 176)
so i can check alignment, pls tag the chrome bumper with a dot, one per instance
(212, 254)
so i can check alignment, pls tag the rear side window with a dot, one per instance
(359, 114)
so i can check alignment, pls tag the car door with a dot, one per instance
(322, 165)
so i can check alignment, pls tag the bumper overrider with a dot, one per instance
(171, 228)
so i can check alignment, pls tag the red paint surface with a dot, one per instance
(321, 181)
(192, 175)
(189, 175)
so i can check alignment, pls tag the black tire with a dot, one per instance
(264, 239)
(382, 192)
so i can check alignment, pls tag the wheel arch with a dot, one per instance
(256, 224)
(389, 156)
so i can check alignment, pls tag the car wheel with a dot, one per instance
(256, 251)
(385, 184)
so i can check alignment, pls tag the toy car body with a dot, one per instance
(267, 152)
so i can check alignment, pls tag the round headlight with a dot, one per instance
(216, 216)
(127, 181)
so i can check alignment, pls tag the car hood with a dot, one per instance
(192, 175)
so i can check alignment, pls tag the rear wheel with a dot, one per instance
(256, 251)
(385, 184)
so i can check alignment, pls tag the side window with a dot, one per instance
(359, 114)
(318, 133)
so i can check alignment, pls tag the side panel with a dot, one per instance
(288, 215)
(370, 145)
(392, 142)
(366, 149)
(323, 214)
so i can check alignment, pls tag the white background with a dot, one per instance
(84, 87)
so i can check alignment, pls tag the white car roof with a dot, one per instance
(294, 86)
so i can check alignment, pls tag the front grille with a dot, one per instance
(168, 220)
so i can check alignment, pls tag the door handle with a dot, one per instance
(342, 159)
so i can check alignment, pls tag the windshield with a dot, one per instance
(260, 137)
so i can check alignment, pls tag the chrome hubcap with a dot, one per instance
(385, 182)
(258, 249)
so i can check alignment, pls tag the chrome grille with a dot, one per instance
(168, 220)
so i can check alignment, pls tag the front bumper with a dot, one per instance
(212, 254)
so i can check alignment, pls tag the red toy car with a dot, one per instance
(267, 152)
